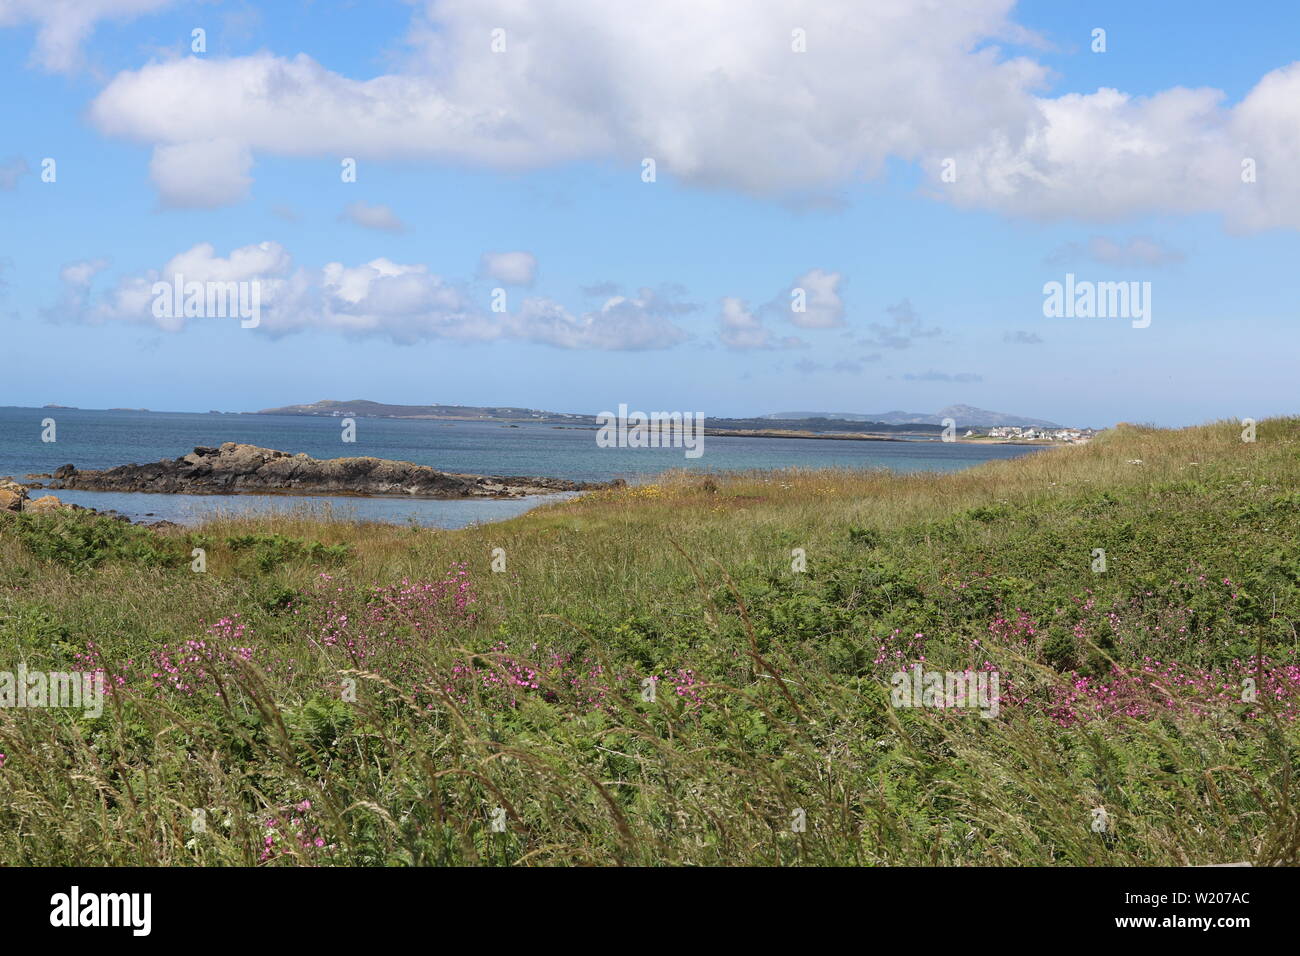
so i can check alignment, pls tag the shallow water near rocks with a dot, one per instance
(194, 509)
(103, 439)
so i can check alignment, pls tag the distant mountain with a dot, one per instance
(964, 415)
(969, 415)
(363, 408)
(838, 416)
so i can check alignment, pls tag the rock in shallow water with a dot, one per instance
(237, 468)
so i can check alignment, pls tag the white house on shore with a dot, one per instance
(1032, 433)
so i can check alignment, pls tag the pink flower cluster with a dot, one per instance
(1159, 687)
(1191, 619)
(293, 824)
(197, 664)
(1022, 630)
(378, 627)
(552, 674)
(899, 650)
(388, 617)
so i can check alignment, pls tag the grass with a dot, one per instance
(328, 692)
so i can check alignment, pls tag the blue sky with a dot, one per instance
(776, 170)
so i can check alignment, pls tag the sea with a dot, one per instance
(103, 439)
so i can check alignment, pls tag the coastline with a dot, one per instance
(915, 437)
(475, 451)
(234, 468)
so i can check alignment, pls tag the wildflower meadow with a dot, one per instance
(652, 678)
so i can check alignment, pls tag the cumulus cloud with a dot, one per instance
(725, 102)
(1108, 155)
(75, 281)
(81, 273)
(584, 79)
(406, 303)
(379, 217)
(818, 306)
(812, 301)
(62, 25)
(202, 173)
(1136, 251)
(132, 298)
(632, 324)
(511, 268)
(741, 330)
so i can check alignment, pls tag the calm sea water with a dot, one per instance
(102, 439)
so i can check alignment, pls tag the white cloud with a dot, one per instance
(378, 217)
(132, 298)
(202, 264)
(822, 306)
(625, 324)
(81, 273)
(1105, 156)
(407, 303)
(76, 279)
(512, 268)
(62, 25)
(403, 302)
(202, 173)
(716, 96)
(741, 330)
(712, 91)
(812, 301)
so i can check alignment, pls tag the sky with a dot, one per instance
(732, 208)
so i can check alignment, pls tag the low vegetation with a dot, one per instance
(694, 671)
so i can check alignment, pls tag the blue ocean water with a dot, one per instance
(103, 439)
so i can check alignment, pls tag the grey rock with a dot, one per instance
(247, 469)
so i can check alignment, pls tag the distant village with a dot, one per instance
(1030, 433)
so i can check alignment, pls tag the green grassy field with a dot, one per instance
(331, 693)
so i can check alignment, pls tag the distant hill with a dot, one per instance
(363, 408)
(963, 415)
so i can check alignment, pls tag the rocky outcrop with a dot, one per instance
(246, 469)
(12, 495)
(44, 505)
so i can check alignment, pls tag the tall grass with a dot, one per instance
(338, 693)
